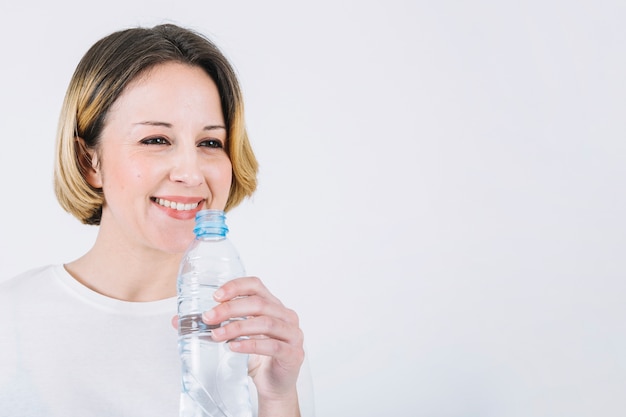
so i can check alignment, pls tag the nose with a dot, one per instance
(186, 167)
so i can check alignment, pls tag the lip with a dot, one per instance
(179, 214)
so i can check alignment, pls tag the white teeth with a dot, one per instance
(176, 206)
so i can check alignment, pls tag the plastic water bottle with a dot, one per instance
(214, 379)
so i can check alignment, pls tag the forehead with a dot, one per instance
(171, 76)
(171, 90)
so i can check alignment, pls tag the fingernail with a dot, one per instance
(219, 331)
(218, 294)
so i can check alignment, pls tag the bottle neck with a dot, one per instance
(211, 225)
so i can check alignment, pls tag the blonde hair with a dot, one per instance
(100, 78)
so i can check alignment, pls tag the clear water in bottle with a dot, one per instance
(214, 379)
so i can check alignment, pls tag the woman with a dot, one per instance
(151, 131)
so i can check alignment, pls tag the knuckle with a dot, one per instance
(225, 309)
(292, 317)
(236, 326)
(299, 355)
(253, 344)
(275, 347)
(267, 324)
(300, 338)
(234, 286)
(258, 303)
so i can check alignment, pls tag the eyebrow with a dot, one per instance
(169, 125)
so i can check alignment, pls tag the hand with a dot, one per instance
(272, 337)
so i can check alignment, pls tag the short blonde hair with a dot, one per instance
(100, 78)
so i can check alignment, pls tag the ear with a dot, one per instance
(89, 163)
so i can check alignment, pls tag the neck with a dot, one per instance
(125, 273)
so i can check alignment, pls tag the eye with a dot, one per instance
(212, 143)
(157, 140)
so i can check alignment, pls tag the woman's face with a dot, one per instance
(162, 158)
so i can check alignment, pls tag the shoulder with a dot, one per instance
(29, 292)
(26, 280)
(27, 275)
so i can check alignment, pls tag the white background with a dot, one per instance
(441, 189)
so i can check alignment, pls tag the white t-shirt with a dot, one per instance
(68, 351)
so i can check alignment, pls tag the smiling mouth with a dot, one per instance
(174, 205)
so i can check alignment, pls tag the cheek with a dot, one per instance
(221, 173)
(219, 177)
(119, 177)
(228, 175)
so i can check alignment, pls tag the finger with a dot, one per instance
(248, 307)
(241, 287)
(263, 327)
(175, 322)
(288, 356)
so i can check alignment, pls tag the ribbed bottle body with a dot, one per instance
(214, 379)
